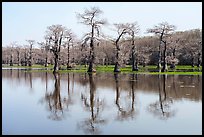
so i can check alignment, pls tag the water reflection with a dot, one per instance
(54, 100)
(128, 110)
(30, 80)
(57, 104)
(91, 125)
(69, 101)
(182, 84)
(162, 108)
(97, 101)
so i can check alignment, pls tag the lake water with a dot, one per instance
(41, 103)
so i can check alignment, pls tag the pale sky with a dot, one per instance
(28, 20)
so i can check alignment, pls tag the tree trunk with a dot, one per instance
(164, 68)
(106, 61)
(11, 60)
(29, 63)
(90, 67)
(91, 55)
(68, 66)
(134, 60)
(173, 65)
(18, 57)
(7, 60)
(116, 69)
(46, 59)
(144, 64)
(30, 57)
(24, 63)
(192, 61)
(199, 60)
(159, 57)
(56, 61)
(46, 64)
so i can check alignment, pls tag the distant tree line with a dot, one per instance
(61, 47)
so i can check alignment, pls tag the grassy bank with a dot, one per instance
(151, 69)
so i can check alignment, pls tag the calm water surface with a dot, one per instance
(101, 103)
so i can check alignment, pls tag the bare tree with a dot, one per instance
(199, 53)
(83, 55)
(14, 53)
(11, 47)
(164, 30)
(133, 30)
(24, 61)
(174, 46)
(121, 29)
(190, 47)
(45, 47)
(5, 55)
(18, 50)
(89, 18)
(69, 41)
(30, 59)
(56, 35)
(47, 50)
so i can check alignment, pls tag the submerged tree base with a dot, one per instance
(135, 69)
(172, 66)
(91, 70)
(116, 70)
(164, 68)
(69, 67)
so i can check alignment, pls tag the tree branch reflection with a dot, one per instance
(56, 103)
(127, 111)
(92, 124)
(68, 101)
(54, 100)
(162, 108)
(30, 79)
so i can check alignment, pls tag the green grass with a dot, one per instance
(175, 73)
(180, 69)
(187, 67)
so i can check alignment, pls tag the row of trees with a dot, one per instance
(62, 47)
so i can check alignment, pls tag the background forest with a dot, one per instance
(62, 47)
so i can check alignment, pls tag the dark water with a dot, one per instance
(104, 103)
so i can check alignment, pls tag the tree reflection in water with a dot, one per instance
(56, 105)
(127, 111)
(162, 108)
(54, 100)
(92, 124)
(30, 79)
(67, 101)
